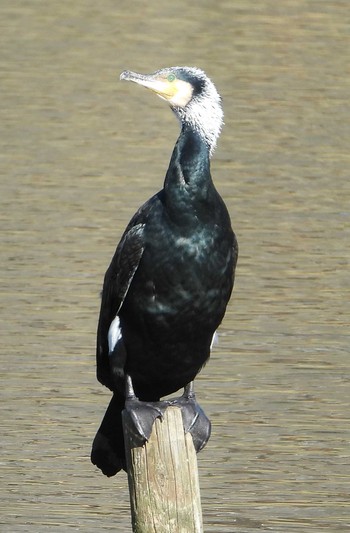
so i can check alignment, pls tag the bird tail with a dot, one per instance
(108, 451)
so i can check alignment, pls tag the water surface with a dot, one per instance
(80, 152)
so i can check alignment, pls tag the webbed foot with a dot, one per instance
(194, 419)
(142, 414)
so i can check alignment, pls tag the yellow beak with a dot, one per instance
(159, 85)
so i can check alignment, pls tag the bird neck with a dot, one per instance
(189, 165)
(204, 115)
(188, 179)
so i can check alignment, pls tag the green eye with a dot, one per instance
(171, 77)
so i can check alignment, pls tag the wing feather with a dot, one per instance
(118, 279)
(116, 285)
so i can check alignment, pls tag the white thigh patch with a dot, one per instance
(214, 340)
(114, 334)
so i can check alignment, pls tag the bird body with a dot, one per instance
(167, 287)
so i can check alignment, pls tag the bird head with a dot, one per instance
(191, 95)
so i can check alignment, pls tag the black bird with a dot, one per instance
(167, 287)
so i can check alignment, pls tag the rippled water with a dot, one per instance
(80, 152)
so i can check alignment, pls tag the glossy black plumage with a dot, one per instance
(169, 282)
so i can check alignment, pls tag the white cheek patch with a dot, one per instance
(114, 334)
(182, 94)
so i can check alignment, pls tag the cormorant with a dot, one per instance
(167, 287)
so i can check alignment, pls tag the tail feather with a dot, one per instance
(108, 451)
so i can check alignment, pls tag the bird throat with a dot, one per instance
(188, 178)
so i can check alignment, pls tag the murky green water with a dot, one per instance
(79, 153)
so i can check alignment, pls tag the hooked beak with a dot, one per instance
(159, 85)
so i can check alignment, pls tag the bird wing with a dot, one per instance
(123, 266)
(117, 281)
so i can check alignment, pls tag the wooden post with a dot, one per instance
(163, 478)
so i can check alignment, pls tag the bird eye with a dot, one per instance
(171, 77)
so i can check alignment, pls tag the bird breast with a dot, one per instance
(193, 246)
